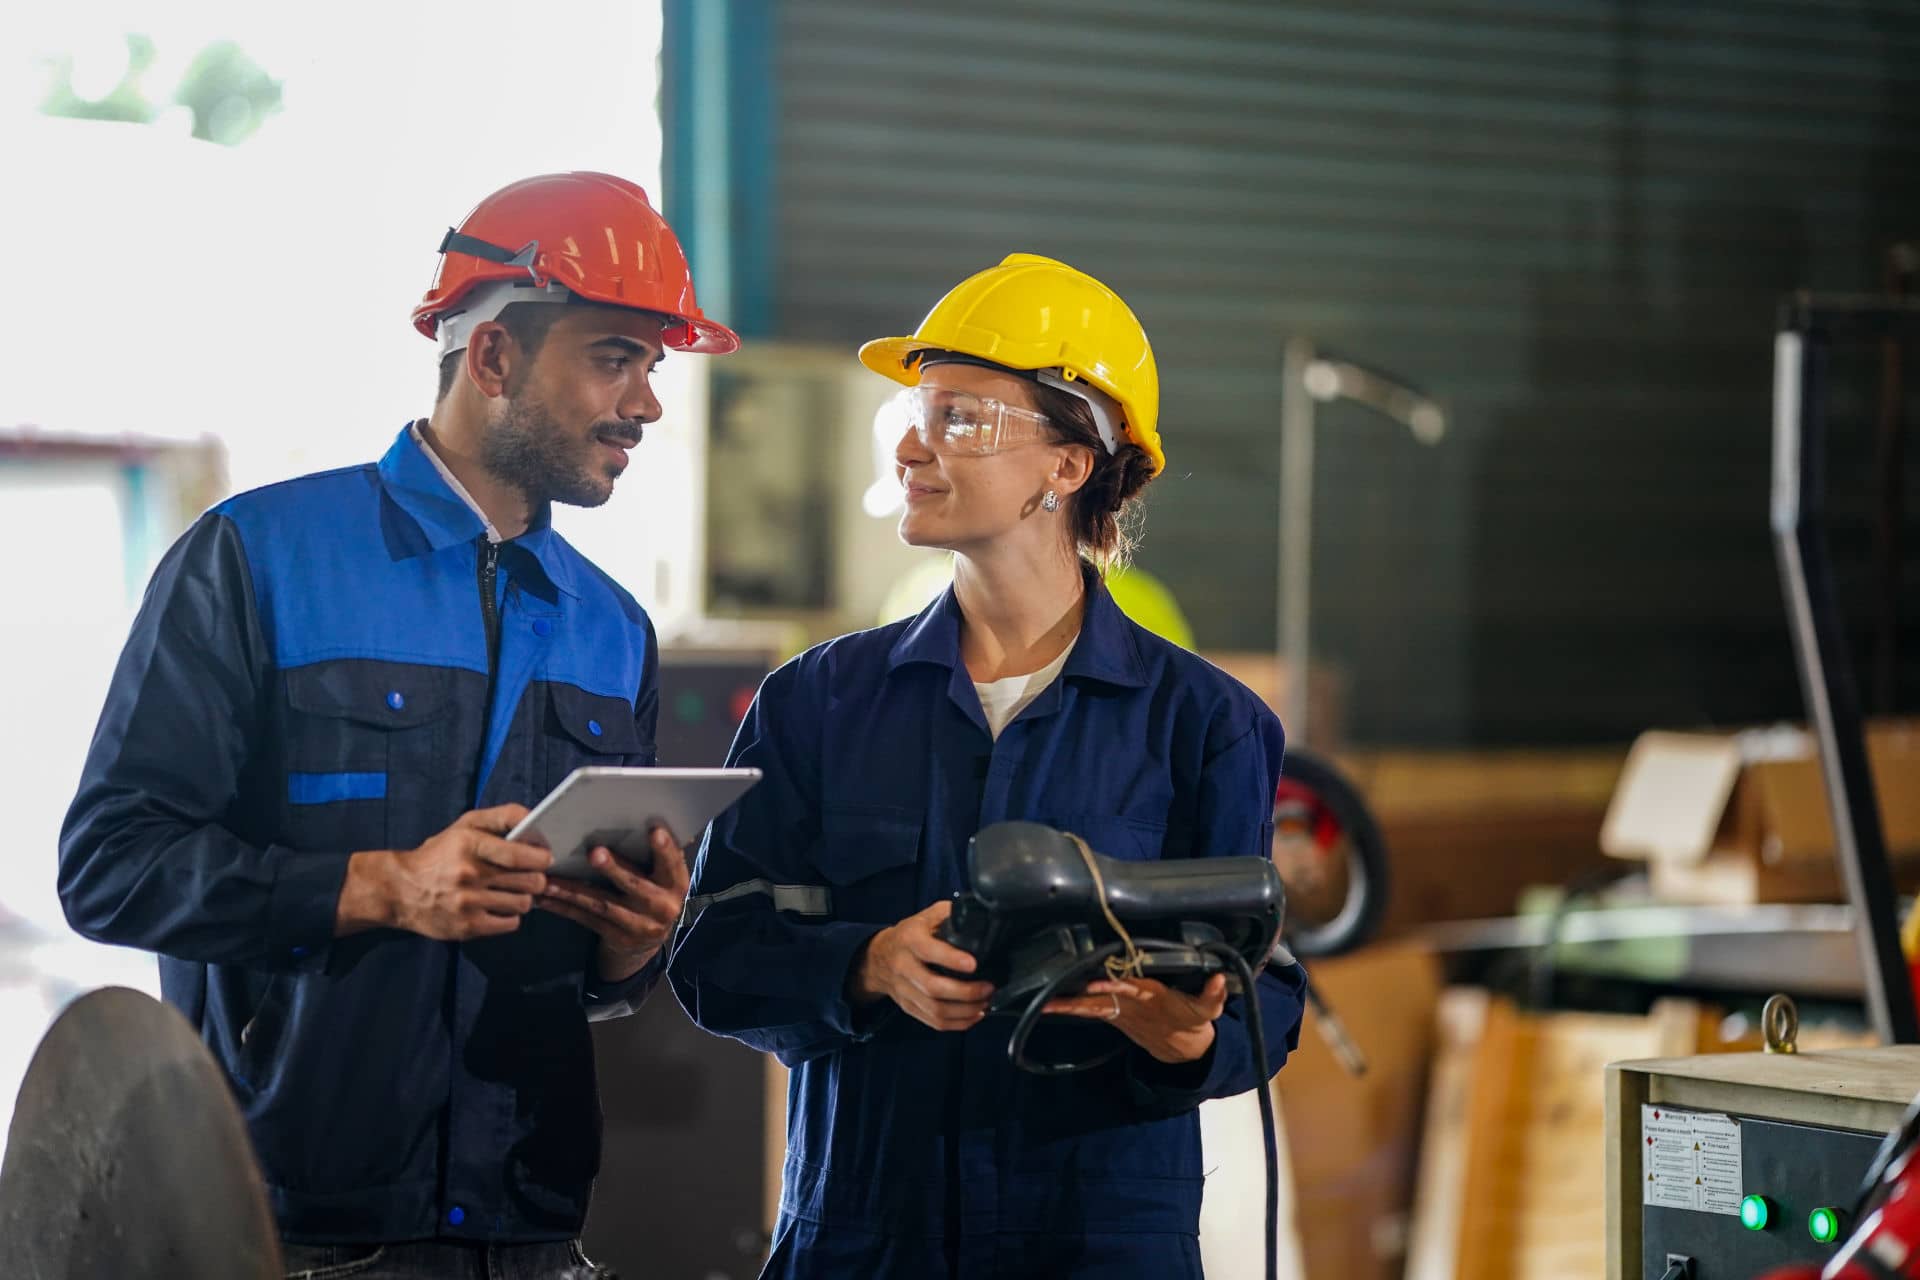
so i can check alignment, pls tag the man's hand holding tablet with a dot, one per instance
(618, 867)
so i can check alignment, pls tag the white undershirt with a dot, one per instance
(453, 481)
(1002, 700)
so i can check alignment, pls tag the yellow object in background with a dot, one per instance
(1140, 595)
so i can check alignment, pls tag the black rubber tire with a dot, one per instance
(1366, 900)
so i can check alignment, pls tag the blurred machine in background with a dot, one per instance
(755, 497)
(1731, 1165)
(681, 1192)
(683, 1188)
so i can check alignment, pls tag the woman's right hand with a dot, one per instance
(897, 966)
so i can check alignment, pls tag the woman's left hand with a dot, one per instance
(1169, 1024)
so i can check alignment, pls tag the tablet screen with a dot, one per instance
(616, 808)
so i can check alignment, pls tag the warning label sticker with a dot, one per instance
(1690, 1160)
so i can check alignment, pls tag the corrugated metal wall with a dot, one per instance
(1568, 219)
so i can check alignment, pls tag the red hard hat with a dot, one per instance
(591, 233)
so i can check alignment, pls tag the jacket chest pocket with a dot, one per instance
(584, 729)
(1135, 839)
(355, 735)
(871, 857)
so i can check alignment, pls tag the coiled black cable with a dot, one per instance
(1095, 962)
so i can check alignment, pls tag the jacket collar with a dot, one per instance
(445, 517)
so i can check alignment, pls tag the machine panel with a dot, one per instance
(1785, 1173)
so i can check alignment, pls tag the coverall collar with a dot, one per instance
(1106, 650)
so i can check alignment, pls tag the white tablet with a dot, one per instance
(613, 807)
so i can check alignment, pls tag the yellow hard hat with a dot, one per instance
(1037, 315)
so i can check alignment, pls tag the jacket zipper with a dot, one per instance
(489, 610)
(489, 572)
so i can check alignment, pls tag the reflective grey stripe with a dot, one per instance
(800, 899)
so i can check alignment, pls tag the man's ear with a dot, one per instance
(492, 357)
(1072, 468)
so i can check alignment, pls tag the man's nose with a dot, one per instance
(640, 404)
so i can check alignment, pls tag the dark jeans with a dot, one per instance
(440, 1260)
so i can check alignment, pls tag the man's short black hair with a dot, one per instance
(528, 322)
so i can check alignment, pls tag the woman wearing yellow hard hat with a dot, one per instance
(1027, 429)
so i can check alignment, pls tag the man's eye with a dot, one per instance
(616, 363)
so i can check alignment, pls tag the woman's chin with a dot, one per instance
(917, 531)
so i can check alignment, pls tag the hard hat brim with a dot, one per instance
(888, 358)
(705, 338)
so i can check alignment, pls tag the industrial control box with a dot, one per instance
(1744, 1162)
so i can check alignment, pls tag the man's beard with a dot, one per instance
(529, 450)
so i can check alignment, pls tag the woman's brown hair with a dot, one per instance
(1105, 514)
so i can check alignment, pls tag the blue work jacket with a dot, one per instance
(915, 1152)
(312, 674)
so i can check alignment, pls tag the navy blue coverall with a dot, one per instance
(345, 662)
(917, 1153)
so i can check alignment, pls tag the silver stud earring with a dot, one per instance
(1051, 502)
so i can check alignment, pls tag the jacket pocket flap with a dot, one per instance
(396, 698)
(1135, 839)
(858, 843)
(594, 720)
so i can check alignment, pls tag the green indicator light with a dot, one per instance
(1824, 1225)
(1753, 1213)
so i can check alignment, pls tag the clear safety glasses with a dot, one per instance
(957, 422)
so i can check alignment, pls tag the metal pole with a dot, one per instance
(1826, 677)
(1296, 535)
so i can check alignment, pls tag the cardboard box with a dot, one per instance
(1742, 817)
(1468, 831)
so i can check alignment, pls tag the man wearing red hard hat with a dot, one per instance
(338, 696)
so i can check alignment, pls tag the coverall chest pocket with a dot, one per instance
(586, 729)
(351, 728)
(871, 857)
(1136, 839)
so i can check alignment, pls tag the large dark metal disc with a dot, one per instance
(127, 1157)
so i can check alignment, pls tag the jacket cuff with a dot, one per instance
(864, 1021)
(303, 905)
(605, 999)
(1181, 1086)
(841, 946)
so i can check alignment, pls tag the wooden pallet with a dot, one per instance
(1514, 1156)
(1513, 1160)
